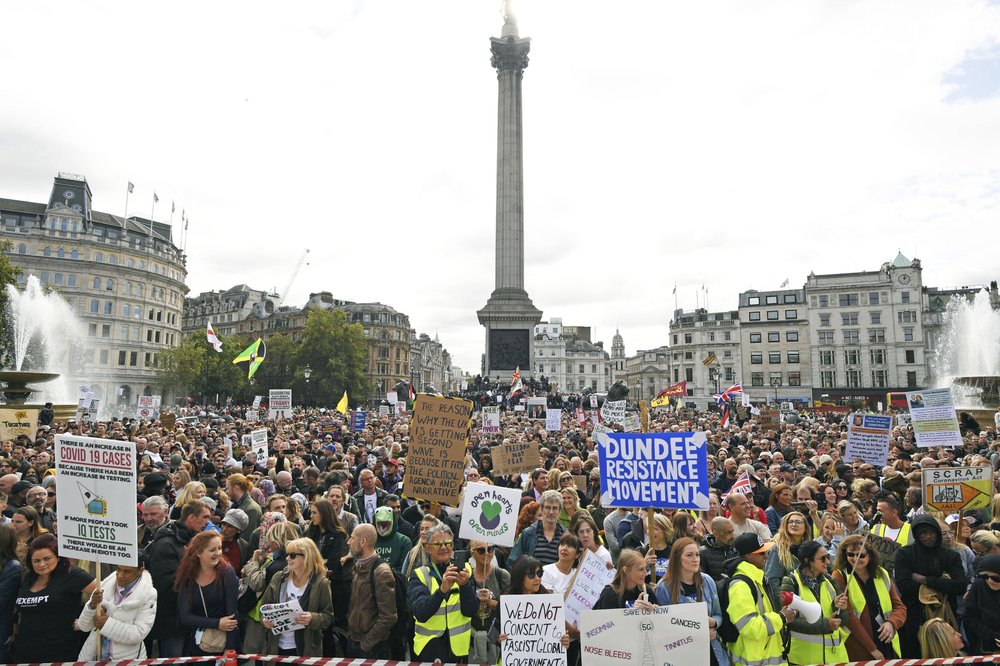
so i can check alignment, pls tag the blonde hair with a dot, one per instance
(283, 533)
(995, 508)
(314, 564)
(783, 540)
(185, 496)
(935, 639)
(986, 538)
(626, 559)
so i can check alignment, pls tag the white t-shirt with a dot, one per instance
(286, 641)
(555, 581)
(370, 502)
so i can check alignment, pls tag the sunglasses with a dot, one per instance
(534, 574)
(862, 555)
(483, 551)
(292, 556)
(825, 558)
(990, 577)
(51, 494)
(442, 544)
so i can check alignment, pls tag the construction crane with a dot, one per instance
(291, 280)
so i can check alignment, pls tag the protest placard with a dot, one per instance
(536, 408)
(553, 420)
(258, 442)
(633, 423)
(675, 634)
(868, 438)
(384, 410)
(933, 417)
(252, 415)
(887, 549)
(256, 401)
(97, 499)
(516, 458)
(593, 401)
(953, 489)
(489, 513)
(391, 397)
(18, 421)
(769, 419)
(148, 407)
(435, 461)
(662, 470)
(279, 403)
(490, 419)
(534, 625)
(358, 420)
(282, 616)
(246, 443)
(613, 411)
(586, 587)
(168, 420)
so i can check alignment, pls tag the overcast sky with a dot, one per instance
(731, 144)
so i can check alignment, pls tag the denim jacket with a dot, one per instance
(711, 593)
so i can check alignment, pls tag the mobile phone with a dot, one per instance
(798, 505)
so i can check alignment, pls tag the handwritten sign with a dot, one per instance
(662, 470)
(769, 419)
(168, 420)
(282, 616)
(887, 549)
(868, 438)
(516, 458)
(675, 634)
(553, 420)
(933, 418)
(489, 513)
(613, 411)
(14, 422)
(591, 577)
(491, 419)
(435, 461)
(534, 625)
(256, 401)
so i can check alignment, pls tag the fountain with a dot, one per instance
(968, 356)
(44, 329)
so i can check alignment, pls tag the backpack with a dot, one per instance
(403, 628)
(728, 633)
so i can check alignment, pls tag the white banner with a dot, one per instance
(591, 577)
(675, 634)
(96, 480)
(534, 625)
(392, 397)
(613, 411)
(553, 420)
(279, 403)
(933, 418)
(283, 616)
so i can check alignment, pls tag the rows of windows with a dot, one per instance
(852, 378)
(778, 378)
(773, 315)
(774, 358)
(775, 336)
(853, 336)
(772, 299)
(856, 299)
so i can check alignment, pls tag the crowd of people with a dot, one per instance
(322, 521)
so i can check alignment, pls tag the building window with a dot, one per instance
(756, 358)
(593, 368)
(756, 379)
(791, 314)
(876, 317)
(774, 358)
(824, 337)
(824, 301)
(92, 330)
(74, 255)
(849, 319)
(133, 359)
(911, 379)
(880, 378)
(755, 337)
(826, 357)
(791, 336)
(824, 320)
(71, 280)
(877, 355)
(905, 296)
(581, 368)
(730, 374)
(97, 283)
(22, 248)
(108, 307)
(873, 298)
(852, 356)
(775, 379)
(772, 315)
(853, 379)
(795, 379)
(789, 298)
(104, 357)
(852, 337)
(876, 335)
(687, 357)
(908, 334)
(727, 353)
(774, 336)
(828, 378)
(95, 307)
(727, 336)
(113, 260)
(753, 300)
(687, 338)
(99, 258)
(771, 300)
(755, 316)
(121, 358)
(907, 316)
(847, 300)
(911, 356)
(793, 357)
(110, 285)
(689, 374)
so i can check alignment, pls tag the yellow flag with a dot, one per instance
(342, 405)
(660, 402)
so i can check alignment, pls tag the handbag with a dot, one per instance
(213, 641)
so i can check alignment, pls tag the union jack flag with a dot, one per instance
(732, 392)
(741, 486)
(725, 417)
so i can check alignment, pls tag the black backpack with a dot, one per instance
(403, 628)
(728, 633)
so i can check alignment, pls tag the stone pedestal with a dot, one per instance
(509, 317)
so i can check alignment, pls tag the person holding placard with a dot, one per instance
(207, 589)
(525, 578)
(303, 581)
(876, 613)
(684, 583)
(629, 588)
(119, 615)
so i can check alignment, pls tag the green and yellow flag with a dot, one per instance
(342, 405)
(253, 356)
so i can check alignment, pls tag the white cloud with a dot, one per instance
(728, 143)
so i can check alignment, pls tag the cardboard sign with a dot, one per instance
(887, 549)
(534, 625)
(283, 616)
(613, 411)
(661, 470)
(537, 408)
(585, 589)
(258, 442)
(385, 410)
(553, 420)
(675, 634)
(933, 417)
(17, 421)
(769, 419)
(435, 461)
(489, 513)
(279, 403)
(97, 498)
(490, 419)
(168, 420)
(516, 458)
(868, 438)
(953, 489)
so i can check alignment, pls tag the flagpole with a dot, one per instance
(128, 190)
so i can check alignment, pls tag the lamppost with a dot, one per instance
(378, 392)
(307, 372)
(775, 383)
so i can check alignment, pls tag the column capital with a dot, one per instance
(509, 54)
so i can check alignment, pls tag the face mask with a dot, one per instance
(383, 529)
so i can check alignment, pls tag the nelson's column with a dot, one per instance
(509, 315)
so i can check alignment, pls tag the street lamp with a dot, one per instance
(775, 383)
(307, 372)
(378, 392)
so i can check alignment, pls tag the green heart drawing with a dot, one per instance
(491, 510)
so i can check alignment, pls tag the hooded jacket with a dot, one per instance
(164, 557)
(714, 555)
(982, 609)
(128, 623)
(392, 547)
(944, 571)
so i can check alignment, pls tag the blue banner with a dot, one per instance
(664, 470)
(358, 421)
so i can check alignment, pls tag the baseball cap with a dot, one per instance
(750, 543)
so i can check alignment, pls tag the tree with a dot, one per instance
(336, 352)
(279, 364)
(194, 368)
(8, 275)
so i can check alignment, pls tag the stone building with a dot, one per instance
(226, 309)
(124, 279)
(647, 373)
(567, 357)
(774, 335)
(694, 338)
(431, 365)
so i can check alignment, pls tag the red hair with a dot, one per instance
(190, 565)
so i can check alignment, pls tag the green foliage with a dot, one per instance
(195, 368)
(336, 352)
(8, 275)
